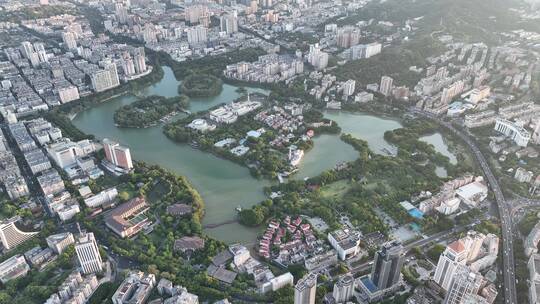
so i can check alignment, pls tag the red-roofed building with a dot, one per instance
(179, 209)
(305, 227)
(128, 219)
(457, 246)
(189, 243)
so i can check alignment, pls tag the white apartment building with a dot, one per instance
(51, 182)
(536, 132)
(364, 51)
(317, 58)
(278, 282)
(105, 79)
(523, 176)
(348, 87)
(465, 285)
(37, 161)
(229, 23)
(343, 289)
(387, 83)
(480, 119)
(69, 40)
(67, 212)
(197, 35)
(68, 93)
(449, 261)
(531, 242)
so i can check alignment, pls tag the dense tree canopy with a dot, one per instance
(201, 85)
(147, 111)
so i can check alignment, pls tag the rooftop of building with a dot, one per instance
(179, 209)
(118, 218)
(307, 281)
(457, 246)
(58, 237)
(221, 274)
(189, 243)
(222, 258)
(366, 281)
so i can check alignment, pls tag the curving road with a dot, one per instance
(510, 296)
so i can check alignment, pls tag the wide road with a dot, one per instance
(435, 238)
(504, 210)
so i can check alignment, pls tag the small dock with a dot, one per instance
(212, 226)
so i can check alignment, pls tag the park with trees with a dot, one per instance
(148, 111)
(154, 252)
(200, 85)
(372, 181)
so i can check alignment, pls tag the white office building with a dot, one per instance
(513, 131)
(65, 152)
(449, 206)
(104, 197)
(345, 242)
(88, 253)
(59, 242)
(534, 278)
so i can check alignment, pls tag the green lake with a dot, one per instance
(222, 184)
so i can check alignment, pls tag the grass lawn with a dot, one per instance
(336, 190)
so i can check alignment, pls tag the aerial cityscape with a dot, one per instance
(269, 151)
